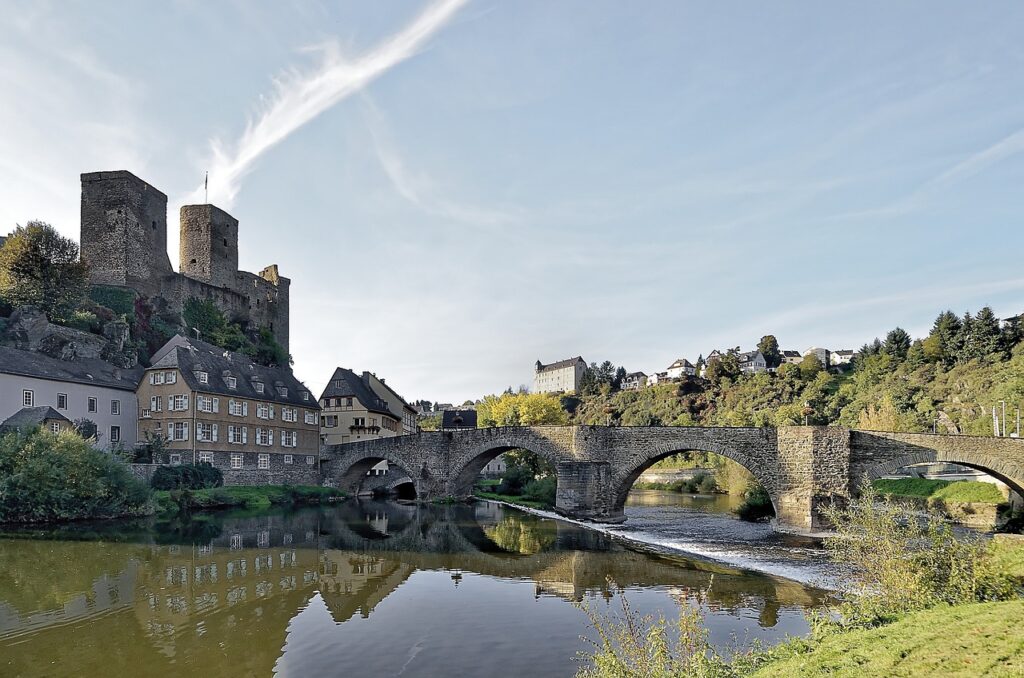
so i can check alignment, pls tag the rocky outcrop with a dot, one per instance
(29, 330)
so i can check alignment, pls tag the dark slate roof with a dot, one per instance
(458, 419)
(82, 371)
(635, 374)
(192, 355)
(395, 393)
(681, 362)
(345, 383)
(30, 417)
(750, 356)
(568, 362)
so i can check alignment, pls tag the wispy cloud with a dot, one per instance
(301, 97)
(418, 189)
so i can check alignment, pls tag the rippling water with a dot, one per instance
(366, 587)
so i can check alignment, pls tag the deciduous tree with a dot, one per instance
(40, 267)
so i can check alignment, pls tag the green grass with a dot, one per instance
(247, 496)
(982, 639)
(958, 491)
(513, 500)
(1008, 557)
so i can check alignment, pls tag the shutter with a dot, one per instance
(245, 409)
(245, 434)
(198, 429)
(271, 434)
(271, 411)
(170, 431)
(152, 378)
(152, 404)
(214, 433)
(216, 405)
(185, 407)
(186, 433)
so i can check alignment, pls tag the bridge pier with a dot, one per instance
(585, 491)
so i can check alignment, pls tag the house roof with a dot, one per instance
(680, 362)
(750, 356)
(82, 371)
(192, 355)
(790, 354)
(30, 417)
(345, 383)
(844, 352)
(458, 419)
(561, 364)
(395, 393)
(635, 374)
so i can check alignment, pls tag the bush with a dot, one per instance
(756, 506)
(542, 490)
(187, 477)
(85, 321)
(515, 480)
(705, 482)
(47, 477)
(118, 299)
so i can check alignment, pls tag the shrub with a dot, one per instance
(85, 321)
(187, 477)
(756, 506)
(47, 477)
(118, 299)
(542, 490)
(514, 480)
(706, 483)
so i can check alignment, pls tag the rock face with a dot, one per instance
(29, 330)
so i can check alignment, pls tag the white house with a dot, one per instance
(681, 368)
(634, 381)
(791, 357)
(842, 356)
(81, 389)
(823, 355)
(563, 376)
(752, 362)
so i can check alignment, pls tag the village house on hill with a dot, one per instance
(216, 406)
(634, 381)
(563, 376)
(681, 368)
(752, 362)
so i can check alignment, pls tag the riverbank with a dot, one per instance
(243, 496)
(965, 502)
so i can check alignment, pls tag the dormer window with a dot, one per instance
(202, 377)
(305, 395)
(258, 386)
(231, 382)
(282, 391)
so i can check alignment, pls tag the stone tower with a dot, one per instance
(209, 245)
(124, 231)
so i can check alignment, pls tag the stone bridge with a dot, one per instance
(802, 467)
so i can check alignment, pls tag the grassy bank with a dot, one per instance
(982, 639)
(942, 490)
(247, 496)
(514, 499)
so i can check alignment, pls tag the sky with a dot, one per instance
(458, 188)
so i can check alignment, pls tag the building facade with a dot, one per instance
(209, 405)
(563, 376)
(681, 368)
(657, 378)
(358, 407)
(791, 357)
(842, 356)
(752, 362)
(823, 355)
(81, 389)
(634, 381)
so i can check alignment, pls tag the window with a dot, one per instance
(177, 430)
(264, 411)
(62, 401)
(146, 413)
(172, 377)
(359, 422)
(91, 405)
(238, 408)
(329, 421)
(264, 461)
(28, 398)
(305, 395)
(264, 436)
(258, 386)
(203, 377)
(55, 426)
(206, 457)
(348, 402)
(311, 418)
(236, 460)
(175, 460)
(177, 403)
(207, 404)
(289, 414)
(282, 391)
(309, 459)
(115, 434)
(205, 432)
(288, 438)
(115, 407)
(156, 378)
(231, 382)
(287, 458)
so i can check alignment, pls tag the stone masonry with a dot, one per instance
(124, 242)
(803, 468)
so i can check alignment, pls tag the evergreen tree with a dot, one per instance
(987, 335)
(1013, 333)
(965, 340)
(897, 343)
(944, 342)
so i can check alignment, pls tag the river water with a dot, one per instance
(379, 588)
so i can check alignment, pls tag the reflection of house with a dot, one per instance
(634, 381)
(353, 583)
(458, 419)
(28, 418)
(681, 368)
(563, 376)
(81, 389)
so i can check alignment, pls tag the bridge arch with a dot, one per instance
(467, 461)
(644, 459)
(350, 471)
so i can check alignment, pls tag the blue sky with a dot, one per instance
(461, 187)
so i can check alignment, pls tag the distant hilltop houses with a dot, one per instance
(565, 376)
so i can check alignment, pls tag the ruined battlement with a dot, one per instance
(124, 242)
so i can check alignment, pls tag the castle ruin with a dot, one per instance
(124, 242)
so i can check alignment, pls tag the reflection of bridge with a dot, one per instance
(148, 606)
(802, 467)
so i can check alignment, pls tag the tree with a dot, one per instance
(986, 337)
(40, 267)
(86, 428)
(769, 348)
(810, 366)
(896, 344)
(1013, 333)
(944, 341)
(727, 366)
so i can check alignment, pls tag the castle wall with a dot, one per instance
(209, 245)
(124, 231)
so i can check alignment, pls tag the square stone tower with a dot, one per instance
(209, 245)
(124, 231)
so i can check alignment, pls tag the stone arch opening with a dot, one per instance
(1006, 476)
(358, 477)
(625, 484)
(466, 476)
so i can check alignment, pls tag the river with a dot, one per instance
(379, 588)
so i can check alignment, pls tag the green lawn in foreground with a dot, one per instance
(959, 490)
(249, 496)
(983, 639)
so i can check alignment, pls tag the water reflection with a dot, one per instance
(254, 595)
